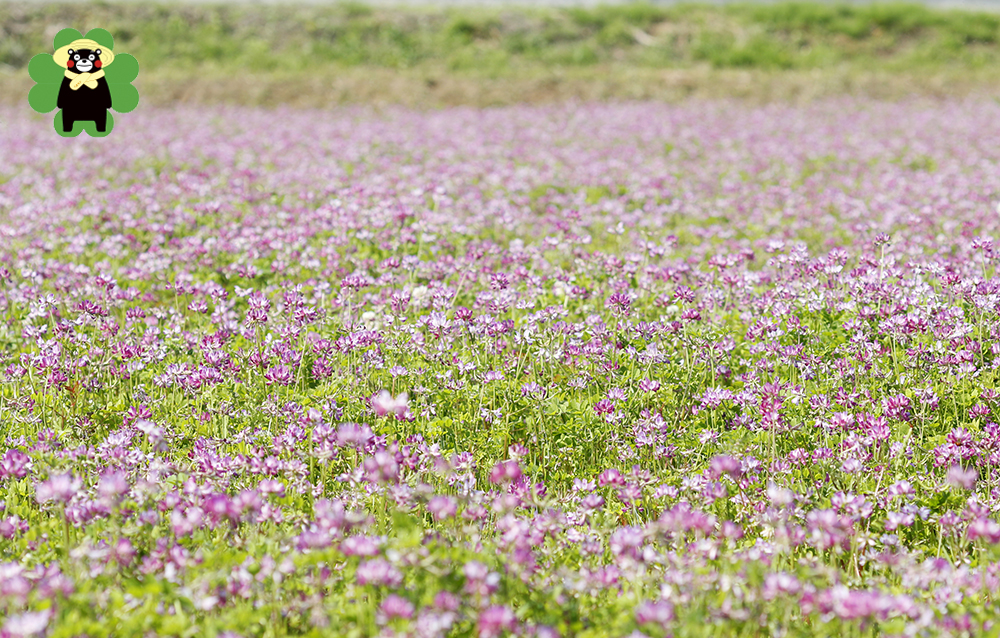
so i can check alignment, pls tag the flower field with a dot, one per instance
(585, 370)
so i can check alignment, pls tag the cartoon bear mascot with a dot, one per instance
(84, 94)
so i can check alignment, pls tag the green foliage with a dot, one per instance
(262, 38)
(758, 52)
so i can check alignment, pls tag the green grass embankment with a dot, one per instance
(315, 55)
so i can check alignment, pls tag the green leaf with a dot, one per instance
(102, 37)
(64, 37)
(43, 69)
(124, 69)
(43, 97)
(124, 97)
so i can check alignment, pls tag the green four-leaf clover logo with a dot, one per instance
(83, 79)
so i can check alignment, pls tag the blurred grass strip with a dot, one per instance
(480, 48)
(430, 89)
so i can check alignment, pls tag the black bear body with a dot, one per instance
(85, 103)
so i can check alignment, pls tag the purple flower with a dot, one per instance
(14, 464)
(851, 465)
(723, 464)
(656, 613)
(26, 624)
(494, 620)
(962, 478)
(714, 397)
(379, 572)
(271, 486)
(124, 551)
(383, 403)
(619, 303)
(592, 502)
(60, 488)
(279, 375)
(220, 507)
(359, 546)
(442, 507)
(354, 435)
(898, 407)
(610, 476)
(731, 530)
(112, 484)
(492, 375)
(532, 389)
(984, 528)
(505, 472)
(780, 584)
(185, 521)
(604, 406)
(627, 542)
(616, 394)
(11, 526)
(395, 607)
(649, 385)
(479, 580)
(381, 467)
(446, 601)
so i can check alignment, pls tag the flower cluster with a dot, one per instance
(629, 369)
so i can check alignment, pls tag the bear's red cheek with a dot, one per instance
(70, 64)
(97, 64)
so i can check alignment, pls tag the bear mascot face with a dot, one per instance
(84, 60)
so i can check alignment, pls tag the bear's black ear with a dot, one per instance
(70, 52)
(98, 52)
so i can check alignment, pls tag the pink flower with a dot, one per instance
(279, 375)
(60, 488)
(446, 601)
(610, 476)
(604, 406)
(649, 385)
(442, 507)
(493, 621)
(962, 478)
(27, 624)
(383, 403)
(395, 607)
(723, 464)
(381, 467)
(112, 484)
(14, 464)
(619, 303)
(505, 472)
(658, 613)
(731, 530)
(359, 546)
(592, 502)
(985, 529)
(354, 435)
(379, 571)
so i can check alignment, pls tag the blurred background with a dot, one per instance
(493, 52)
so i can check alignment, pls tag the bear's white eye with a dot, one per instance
(91, 56)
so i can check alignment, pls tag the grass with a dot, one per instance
(486, 56)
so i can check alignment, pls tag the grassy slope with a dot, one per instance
(350, 52)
